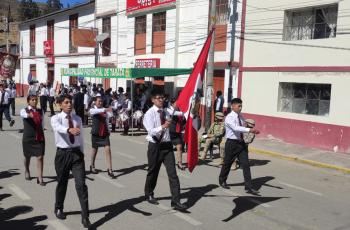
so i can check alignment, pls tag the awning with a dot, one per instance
(102, 72)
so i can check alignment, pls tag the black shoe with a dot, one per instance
(42, 183)
(178, 206)
(12, 122)
(180, 166)
(110, 173)
(59, 214)
(93, 170)
(86, 222)
(152, 200)
(27, 175)
(252, 191)
(224, 185)
(20, 131)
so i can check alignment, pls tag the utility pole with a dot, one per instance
(7, 23)
(210, 72)
(233, 20)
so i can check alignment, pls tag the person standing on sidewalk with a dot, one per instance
(12, 97)
(4, 106)
(100, 134)
(160, 150)
(236, 147)
(69, 140)
(51, 98)
(43, 97)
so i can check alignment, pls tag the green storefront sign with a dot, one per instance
(101, 72)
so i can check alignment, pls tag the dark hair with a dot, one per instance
(62, 97)
(30, 96)
(157, 92)
(98, 97)
(173, 100)
(236, 101)
(218, 93)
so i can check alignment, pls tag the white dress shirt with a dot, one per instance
(23, 113)
(60, 126)
(86, 100)
(218, 104)
(233, 128)
(95, 110)
(51, 92)
(43, 92)
(173, 112)
(6, 97)
(152, 123)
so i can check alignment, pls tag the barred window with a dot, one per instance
(32, 40)
(311, 23)
(222, 12)
(140, 25)
(106, 44)
(140, 35)
(304, 98)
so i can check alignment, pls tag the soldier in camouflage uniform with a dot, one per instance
(214, 134)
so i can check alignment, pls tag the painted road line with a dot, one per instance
(300, 188)
(251, 199)
(19, 192)
(57, 225)
(15, 136)
(125, 155)
(183, 216)
(111, 181)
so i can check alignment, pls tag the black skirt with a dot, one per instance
(98, 141)
(33, 148)
(176, 138)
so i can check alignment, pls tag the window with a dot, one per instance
(106, 44)
(73, 80)
(158, 32)
(140, 35)
(73, 23)
(32, 69)
(50, 30)
(50, 73)
(313, 99)
(311, 23)
(222, 16)
(32, 40)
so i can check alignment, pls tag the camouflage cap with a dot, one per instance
(219, 115)
(250, 122)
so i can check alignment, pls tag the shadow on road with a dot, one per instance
(7, 217)
(8, 173)
(259, 182)
(246, 203)
(114, 210)
(126, 171)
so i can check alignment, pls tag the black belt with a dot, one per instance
(235, 140)
(69, 149)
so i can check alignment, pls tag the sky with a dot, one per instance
(64, 2)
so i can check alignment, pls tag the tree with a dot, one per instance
(53, 5)
(28, 10)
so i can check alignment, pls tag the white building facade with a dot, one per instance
(294, 73)
(166, 34)
(56, 28)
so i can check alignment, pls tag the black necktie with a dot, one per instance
(2, 98)
(70, 123)
(162, 122)
(240, 124)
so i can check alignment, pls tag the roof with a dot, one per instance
(92, 2)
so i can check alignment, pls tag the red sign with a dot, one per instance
(135, 5)
(147, 63)
(48, 47)
(50, 59)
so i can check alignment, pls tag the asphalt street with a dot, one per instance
(293, 196)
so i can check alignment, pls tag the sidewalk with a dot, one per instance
(302, 154)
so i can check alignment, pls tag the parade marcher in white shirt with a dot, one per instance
(160, 150)
(69, 140)
(43, 97)
(33, 141)
(12, 98)
(100, 134)
(51, 98)
(176, 128)
(4, 106)
(126, 108)
(236, 147)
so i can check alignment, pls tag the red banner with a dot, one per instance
(147, 63)
(48, 47)
(135, 5)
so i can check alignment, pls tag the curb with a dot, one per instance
(300, 160)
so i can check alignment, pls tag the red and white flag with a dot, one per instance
(189, 101)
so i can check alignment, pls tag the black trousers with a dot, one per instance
(158, 154)
(12, 104)
(4, 109)
(234, 149)
(67, 160)
(51, 101)
(43, 103)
